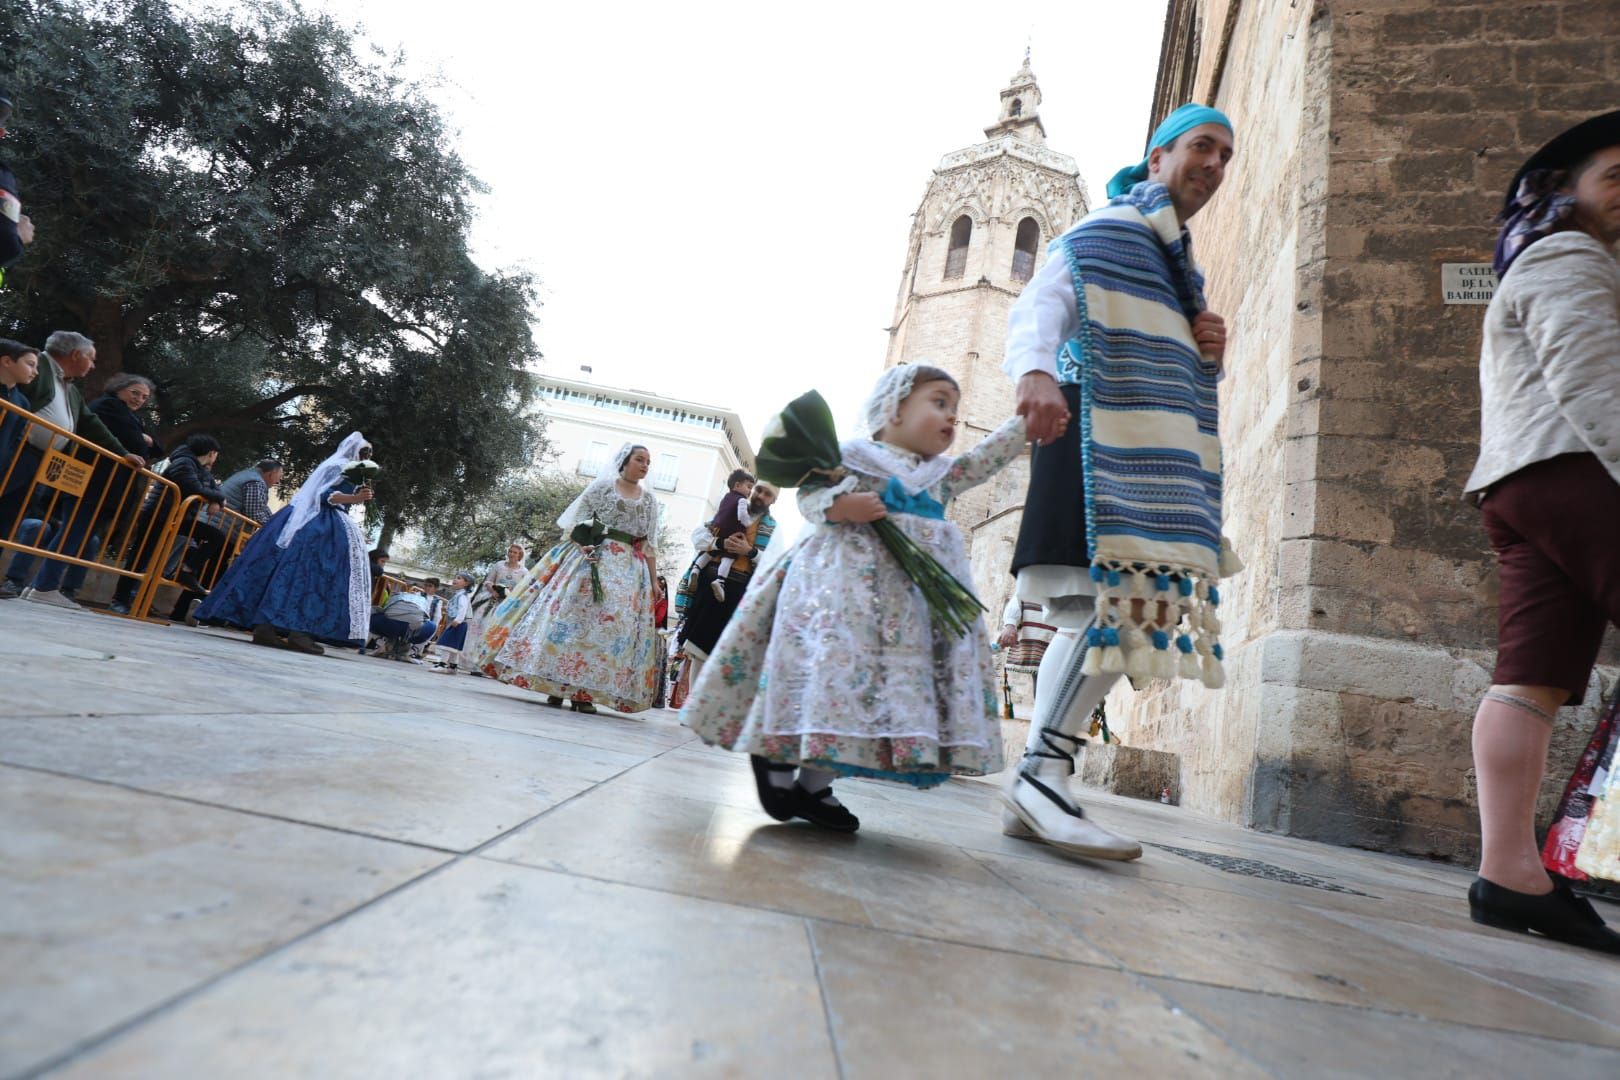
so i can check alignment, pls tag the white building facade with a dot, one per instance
(694, 447)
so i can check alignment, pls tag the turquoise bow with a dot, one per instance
(901, 501)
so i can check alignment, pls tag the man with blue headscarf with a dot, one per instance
(1116, 362)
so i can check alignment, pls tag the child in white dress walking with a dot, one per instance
(832, 665)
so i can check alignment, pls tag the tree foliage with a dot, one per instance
(476, 532)
(272, 223)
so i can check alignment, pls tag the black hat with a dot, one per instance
(1570, 148)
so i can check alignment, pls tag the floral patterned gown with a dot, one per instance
(550, 636)
(832, 660)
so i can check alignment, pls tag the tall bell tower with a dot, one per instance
(979, 235)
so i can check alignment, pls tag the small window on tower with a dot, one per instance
(1029, 238)
(1017, 108)
(956, 255)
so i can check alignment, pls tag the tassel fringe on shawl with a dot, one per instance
(1149, 442)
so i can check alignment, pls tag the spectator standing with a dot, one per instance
(118, 407)
(54, 396)
(454, 638)
(248, 492)
(121, 400)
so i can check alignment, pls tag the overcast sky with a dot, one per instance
(716, 197)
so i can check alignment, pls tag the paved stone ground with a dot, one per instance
(218, 860)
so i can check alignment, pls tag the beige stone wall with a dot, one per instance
(1375, 143)
(1256, 246)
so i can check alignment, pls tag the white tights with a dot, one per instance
(1064, 697)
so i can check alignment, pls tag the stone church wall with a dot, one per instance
(1375, 143)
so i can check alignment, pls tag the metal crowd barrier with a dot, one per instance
(59, 493)
(197, 512)
(384, 586)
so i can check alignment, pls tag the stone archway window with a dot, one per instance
(956, 254)
(1024, 248)
(1017, 108)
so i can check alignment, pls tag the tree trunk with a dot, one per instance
(389, 528)
(106, 329)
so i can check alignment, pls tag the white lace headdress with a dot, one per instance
(883, 405)
(307, 503)
(606, 477)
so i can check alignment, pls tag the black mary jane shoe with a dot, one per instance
(775, 801)
(1560, 914)
(809, 805)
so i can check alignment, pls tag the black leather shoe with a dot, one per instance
(1560, 914)
(808, 805)
(775, 801)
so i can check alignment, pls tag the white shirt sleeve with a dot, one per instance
(742, 513)
(1013, 613)
(1044, 317)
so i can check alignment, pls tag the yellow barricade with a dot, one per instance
(60, 492)
(210, 527)
(384, 586)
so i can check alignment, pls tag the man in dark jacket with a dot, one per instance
(187, 469)
(16, 231)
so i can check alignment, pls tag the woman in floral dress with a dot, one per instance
(552, 635)
(498, 584)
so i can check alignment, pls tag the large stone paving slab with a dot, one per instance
(619, 832)
(113, 902)
(421, 779)
(1243, 941)
(489, 969)
(1309, 1039)
(904, 1006)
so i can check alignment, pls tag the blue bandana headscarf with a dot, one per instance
(1175, 125)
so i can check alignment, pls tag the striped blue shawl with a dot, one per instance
(1150, 445)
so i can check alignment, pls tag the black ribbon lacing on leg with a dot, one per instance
(1054, 752)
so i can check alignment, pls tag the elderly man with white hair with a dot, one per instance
(54, 396)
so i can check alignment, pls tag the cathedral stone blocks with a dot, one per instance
(1375, 143)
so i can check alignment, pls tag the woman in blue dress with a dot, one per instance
(304, 573)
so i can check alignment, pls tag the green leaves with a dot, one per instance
(271, 222)
(800, 444)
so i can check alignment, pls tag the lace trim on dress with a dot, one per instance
(359, 582)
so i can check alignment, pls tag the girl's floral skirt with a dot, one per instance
(551, 637)
(831, 661)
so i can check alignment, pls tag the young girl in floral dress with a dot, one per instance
(554, 633)
(832, 665)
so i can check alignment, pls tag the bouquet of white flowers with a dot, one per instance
(361, 473)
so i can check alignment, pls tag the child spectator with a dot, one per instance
(454, 638)
(731, 518)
